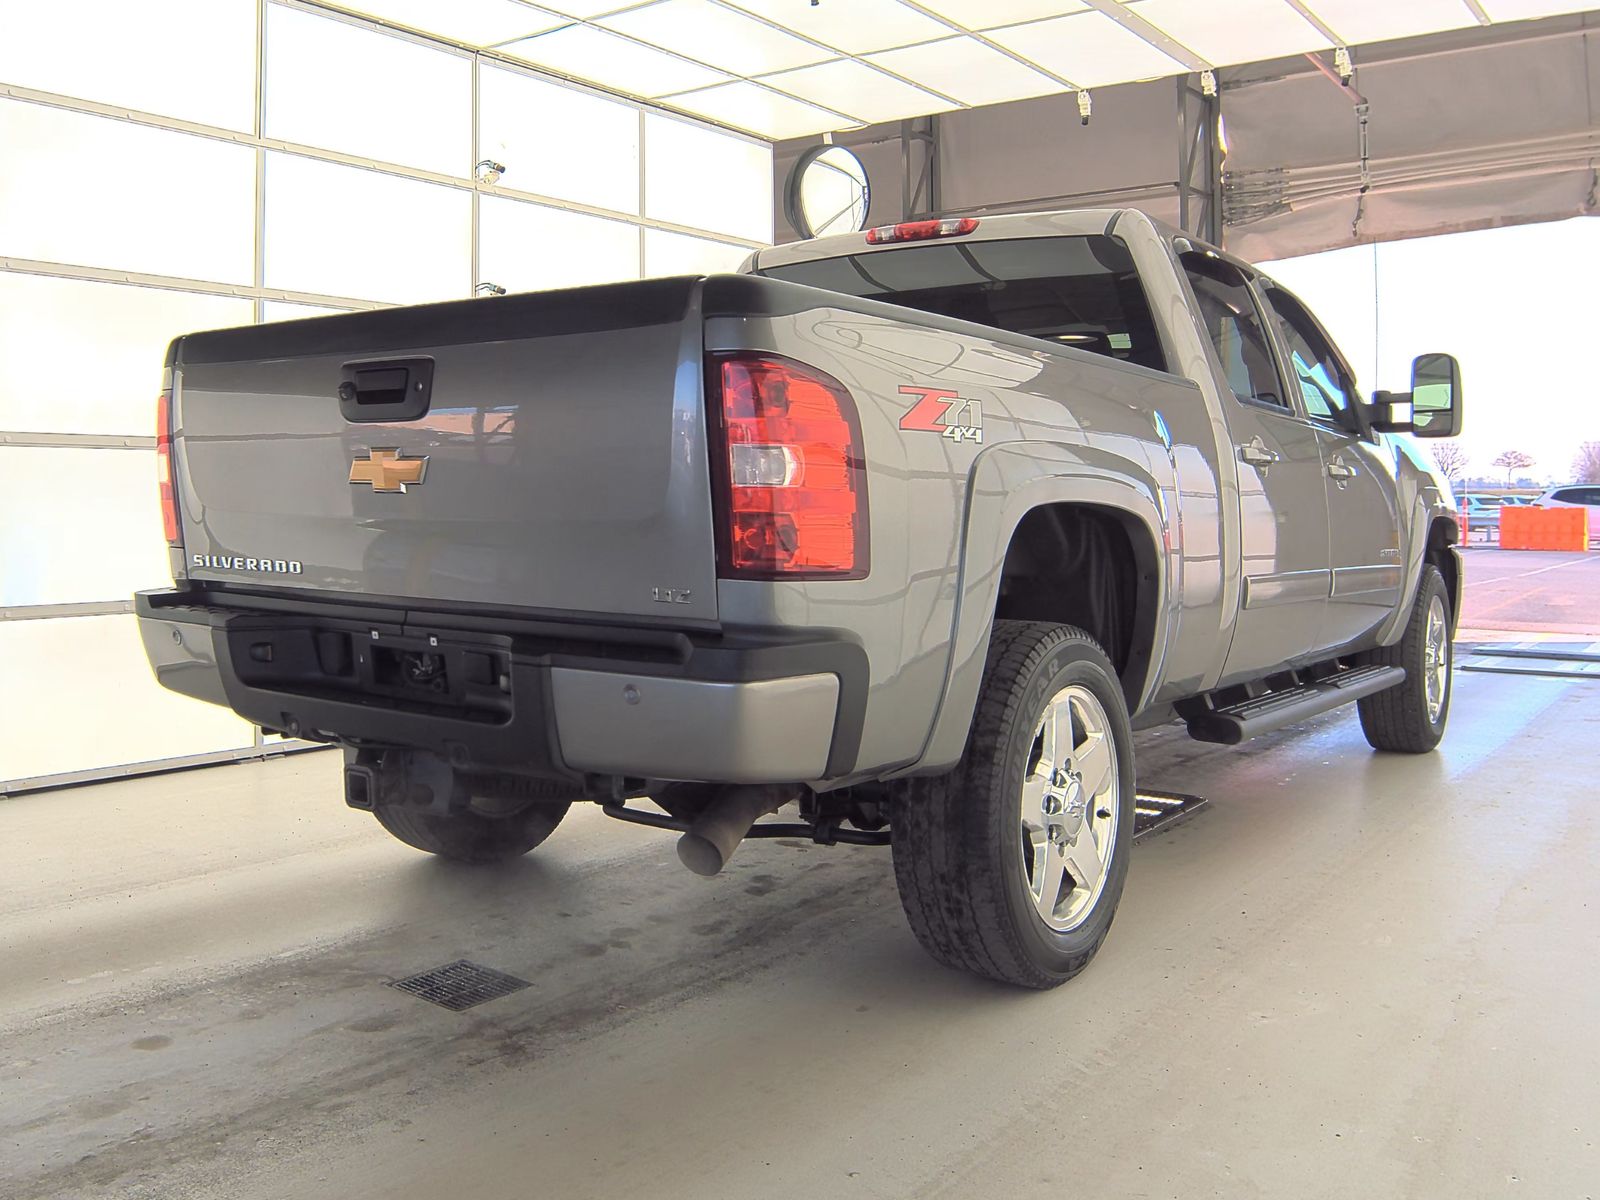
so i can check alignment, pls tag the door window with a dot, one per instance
(1326, 386)
(1228, 313)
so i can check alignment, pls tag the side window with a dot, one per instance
(1325, 384)
(1232, 322)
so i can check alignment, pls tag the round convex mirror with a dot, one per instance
(828, 193)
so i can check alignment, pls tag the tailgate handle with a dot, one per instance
(395, 389)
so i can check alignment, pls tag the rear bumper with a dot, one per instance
(524, 695)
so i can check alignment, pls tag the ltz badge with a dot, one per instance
(943, 412)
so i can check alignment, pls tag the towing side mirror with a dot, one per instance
(1432, 408)
(1436, 396)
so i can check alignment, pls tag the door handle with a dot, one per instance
(1257, 453)
(1339, 469)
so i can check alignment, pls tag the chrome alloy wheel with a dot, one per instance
(1069, 808)
(1436, 659)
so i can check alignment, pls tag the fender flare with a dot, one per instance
(1004, 485)
(1427, 508)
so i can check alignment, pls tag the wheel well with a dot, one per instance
(1442, 534)
(1092, 567)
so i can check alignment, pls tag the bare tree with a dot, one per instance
(1512, 461)
(1586, 467)
(1452, 459)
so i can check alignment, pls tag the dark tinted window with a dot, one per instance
(1228, 313)
(1325, 384)
(1074, 291)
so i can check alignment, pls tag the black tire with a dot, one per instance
(959, 858)
(1398, 719)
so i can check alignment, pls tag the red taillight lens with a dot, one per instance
(916, 231)
(790, 474)
(169, 503)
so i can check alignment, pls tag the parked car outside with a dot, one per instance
(1483, 512)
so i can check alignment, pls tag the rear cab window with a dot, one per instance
(1234, 327)
(1069, 290)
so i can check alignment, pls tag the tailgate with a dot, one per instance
(564, 439)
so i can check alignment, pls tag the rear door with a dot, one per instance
(1364, 549)
(1283, 506)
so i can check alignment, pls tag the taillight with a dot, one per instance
(169, 503)
(788, 469)
(917, 231)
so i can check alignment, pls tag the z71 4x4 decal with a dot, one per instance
(943, 412)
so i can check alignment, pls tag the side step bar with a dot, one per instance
(1232, 723)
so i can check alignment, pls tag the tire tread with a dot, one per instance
(1396, 719)
(947, 864)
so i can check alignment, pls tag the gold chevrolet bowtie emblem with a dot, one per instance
(386, 471)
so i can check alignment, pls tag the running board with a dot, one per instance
(1233, 723)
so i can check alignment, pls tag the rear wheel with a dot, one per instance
(1012, 865)
(1410, 717)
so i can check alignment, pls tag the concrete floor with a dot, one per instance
(1352, 975)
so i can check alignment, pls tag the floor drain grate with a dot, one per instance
(460, 985)
(1153, 811)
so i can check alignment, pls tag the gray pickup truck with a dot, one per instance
(908, 529)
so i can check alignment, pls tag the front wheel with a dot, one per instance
(1012, 865)
(1409, 718)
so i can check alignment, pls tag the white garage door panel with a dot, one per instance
(345, 231)
(193, 59)
(78, 695)
(674, 254)
(96, 192)
(114, 338)
(528, 247)
(80, 525)
(555, 141)
(366, 93)
(699, 177)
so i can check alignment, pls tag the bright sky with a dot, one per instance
(1519, 307)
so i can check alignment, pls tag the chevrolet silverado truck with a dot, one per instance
(905, 531)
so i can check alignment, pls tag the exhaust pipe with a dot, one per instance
(716, 833)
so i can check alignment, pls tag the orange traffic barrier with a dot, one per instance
(1524, 527)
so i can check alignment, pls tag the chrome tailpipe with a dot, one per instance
(716, 833)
